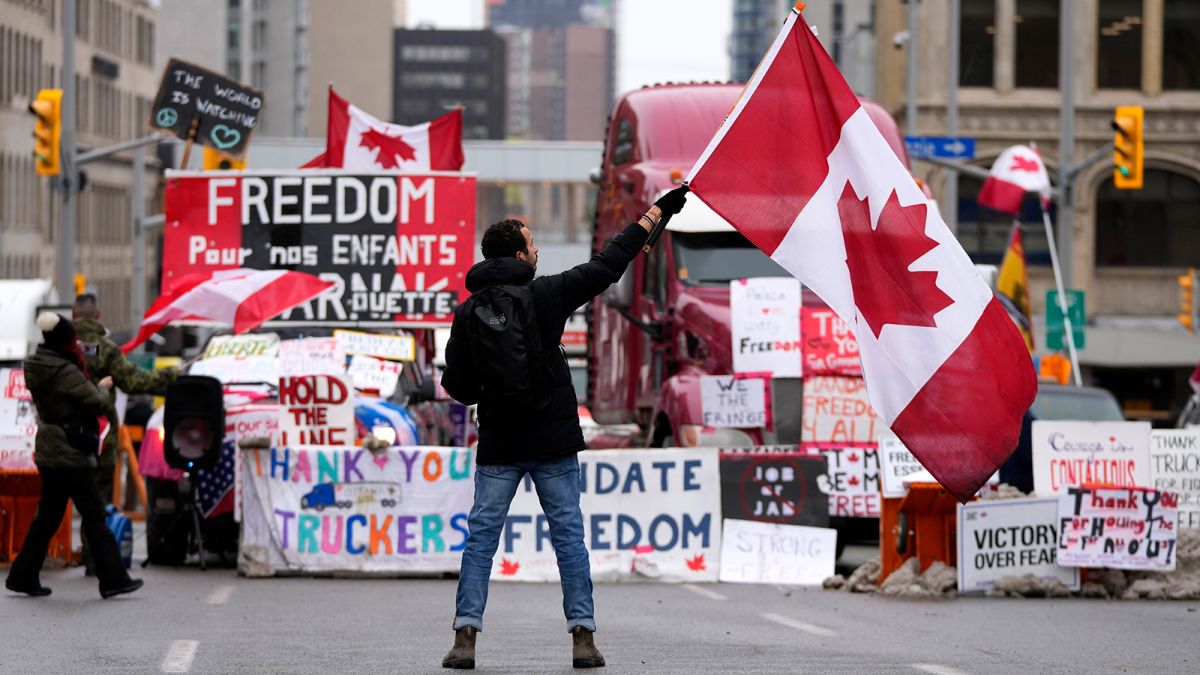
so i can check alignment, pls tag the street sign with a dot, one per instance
(947, 147)
(1055, 326)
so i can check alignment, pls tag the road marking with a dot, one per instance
(799, 625)
(700, 590)
(220, 594)
(935, 669)
(179, 656)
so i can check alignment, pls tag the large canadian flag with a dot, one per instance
(1019, 169)
(800, 169)
(354, 139)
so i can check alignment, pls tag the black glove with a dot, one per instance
(672, 202)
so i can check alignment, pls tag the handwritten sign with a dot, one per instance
(225, 112)
(387, 347)
(1125, 528)
(18, 423)
(766, 326)
(829, 346)
(266, 344)
(311, 356)
(1069, 454)
(771, 553)
(836, 410)
(731, 401)
(369, 373)
(1009, 537)
(1175, 467)
(851, 479)
(758, 483)
(315, 410)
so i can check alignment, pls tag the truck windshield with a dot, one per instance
(720, 257)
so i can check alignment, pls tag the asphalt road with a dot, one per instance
(186, 620)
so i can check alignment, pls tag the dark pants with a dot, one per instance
(78, 485)
(104, 484)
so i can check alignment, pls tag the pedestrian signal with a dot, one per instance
(1187, 299)
(47, 130)
(215, 160)
(1127, 147)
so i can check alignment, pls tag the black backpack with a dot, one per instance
(506, 348)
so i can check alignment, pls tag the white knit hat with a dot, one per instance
(47, 321)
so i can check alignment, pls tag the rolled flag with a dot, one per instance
(354, 139)
(1017, 170)
(242, 299)
(1012, 286)
(801, 170)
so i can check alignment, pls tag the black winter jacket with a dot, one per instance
(554, 431)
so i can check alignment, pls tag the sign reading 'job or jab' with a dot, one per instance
(225, 112)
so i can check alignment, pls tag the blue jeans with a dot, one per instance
(557, 483)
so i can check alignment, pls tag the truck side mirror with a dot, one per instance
(620, 294)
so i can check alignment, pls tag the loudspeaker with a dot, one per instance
(194, 422)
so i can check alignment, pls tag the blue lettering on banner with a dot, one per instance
(601, 468)
(665, 531)
(510, 533)
(281, 464)
(351, 547)
(459, 522)
(599, 520)
(689, 474)
(543, 531)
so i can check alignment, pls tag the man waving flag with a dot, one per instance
(800, 169)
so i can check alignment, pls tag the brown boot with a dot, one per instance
(583, 650)
(462, 654)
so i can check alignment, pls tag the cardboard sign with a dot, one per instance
(836, 410)
(387, 347)
(348, 510)
(851, 479)
(1000, 538)
(368, 373)
(647, 514)
(1175, 467)
(18, 423)
(223, 111)
(315, 410)
(242, 346)
(311, 356)
(766, 326)
(770, 553)
(1069, 454)
(732, 401)
(773, 487)
(397, 247)
(895, 462)
(1130, 528)
(829, 345)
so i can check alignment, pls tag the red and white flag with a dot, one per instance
(356, 140)
(242, 299)
(1017, 170)
(800, 169)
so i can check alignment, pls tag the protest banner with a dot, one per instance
(397, 247)
(895, 462)
(771, 553)
(349, 510)
(18, 423)
(1000, 538)
(774, 487)
(380, 346)
(836, 410)
(765, 313)
(312, 356)
(315, 410)
(371, 374)
(1123, 528)
(735, 401)
(1175, 467)
(851, 479)
(829, 345)
(240, 358)
(1089, 453)
(194, 103)
(647, 514)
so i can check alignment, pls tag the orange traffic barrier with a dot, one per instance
(923, 523)
(19, 492)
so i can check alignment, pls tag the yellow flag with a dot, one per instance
(1012, 284)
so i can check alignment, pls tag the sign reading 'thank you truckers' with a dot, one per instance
(224, 112)
(397, 247)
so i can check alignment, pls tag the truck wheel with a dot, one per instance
(319, 507)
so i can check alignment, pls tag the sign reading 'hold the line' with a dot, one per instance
(225, 112)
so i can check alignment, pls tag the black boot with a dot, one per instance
(583, 650)
(462, 654)
(129, 587)
(35, 589)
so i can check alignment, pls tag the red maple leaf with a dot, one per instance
(389, 147)
(1021, 163)
(509, 568)
(879, 258)
(852, 457)
(696, 564)
(853, 480)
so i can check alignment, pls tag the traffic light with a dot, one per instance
(215, 160)
(1187, 299)
(47, 130)
(80, 285)
(1127, 147)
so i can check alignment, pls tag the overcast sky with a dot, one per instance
(657, 40)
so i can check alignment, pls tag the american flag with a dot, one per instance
(214, 488)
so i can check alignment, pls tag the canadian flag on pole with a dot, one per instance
(1017, 170)
(800, 169)
(356, 140)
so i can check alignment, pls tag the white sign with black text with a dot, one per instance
(773, 553)
(1067, 454)
(1009, 537)
(1175, 467)
(766, 326)
(731, 401)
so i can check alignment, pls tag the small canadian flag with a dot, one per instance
(354, 139)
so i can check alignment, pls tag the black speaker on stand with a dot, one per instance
(194, 426)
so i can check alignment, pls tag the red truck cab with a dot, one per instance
(653, 335)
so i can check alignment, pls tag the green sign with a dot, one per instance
(1056, 331)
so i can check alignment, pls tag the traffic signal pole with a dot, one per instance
(1066, 143)
(68, 176)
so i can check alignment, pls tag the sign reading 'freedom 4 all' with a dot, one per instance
(397, 247)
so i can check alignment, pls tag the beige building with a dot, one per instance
(116, 79)
(1127, 247)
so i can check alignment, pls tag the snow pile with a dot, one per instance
(1182, 584)
(939, 580)
(862, 580)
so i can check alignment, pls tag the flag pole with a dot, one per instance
(1062, 296)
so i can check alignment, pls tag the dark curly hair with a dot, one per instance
(503, 239)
